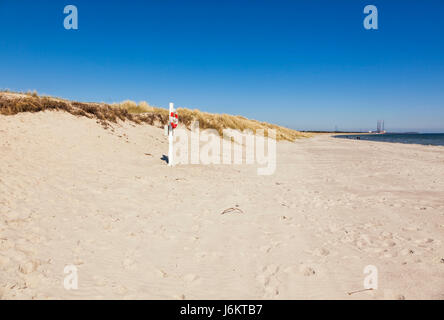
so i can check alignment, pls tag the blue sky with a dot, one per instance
(309, 65)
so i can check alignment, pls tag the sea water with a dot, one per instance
(434, 139)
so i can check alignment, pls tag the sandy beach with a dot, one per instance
(104, 201)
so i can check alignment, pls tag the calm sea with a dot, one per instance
(434, 139)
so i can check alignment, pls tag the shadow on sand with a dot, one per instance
(164, 158)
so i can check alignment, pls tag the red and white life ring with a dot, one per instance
(174, 120)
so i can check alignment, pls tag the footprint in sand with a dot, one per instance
(425, 243)
(121, 290)
(6, 244)
(28, 267)
(407, 251)
(267, 278)
(4, 262)
(128, 263)
(191, 278)
(265, 249)
(100, 281)
(391, 295)
(306, 271)
(321, 252)
(200, 255)
(32, 281)
(160, 273)
(268, 248)
(389, 243)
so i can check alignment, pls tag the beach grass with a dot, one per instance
(12, 103)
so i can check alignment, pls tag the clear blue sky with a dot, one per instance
(304, 64)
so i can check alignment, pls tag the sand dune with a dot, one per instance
(73, 193)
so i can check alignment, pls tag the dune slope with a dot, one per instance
(72, 193)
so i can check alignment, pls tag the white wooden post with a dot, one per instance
(170, 137)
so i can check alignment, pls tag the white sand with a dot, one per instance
(74, 193)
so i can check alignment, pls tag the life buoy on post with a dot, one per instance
(173, 121)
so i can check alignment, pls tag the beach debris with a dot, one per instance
(232, 210)
(148, 154)
(358, 291)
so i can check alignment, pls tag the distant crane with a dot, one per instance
(380, 127)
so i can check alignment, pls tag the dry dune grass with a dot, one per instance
(13, 103)
(222, 121)
(133, 107)
(212, 121)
